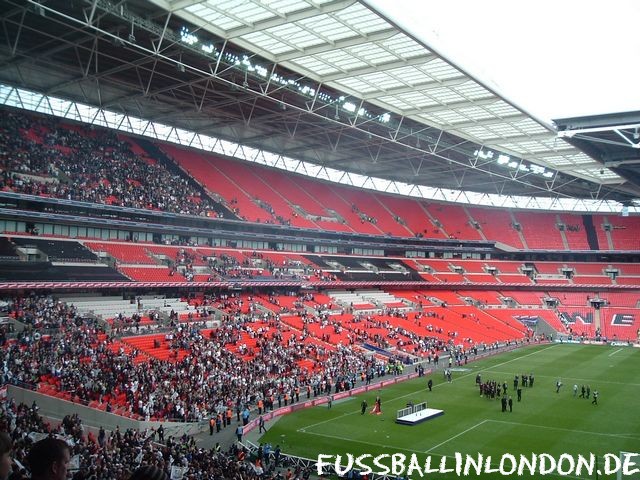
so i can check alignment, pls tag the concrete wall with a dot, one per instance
(56, 408)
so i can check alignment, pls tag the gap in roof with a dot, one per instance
(553, 59)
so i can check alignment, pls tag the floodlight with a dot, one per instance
(503, 159)
(349, 107)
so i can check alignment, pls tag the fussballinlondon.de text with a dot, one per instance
(460, 465)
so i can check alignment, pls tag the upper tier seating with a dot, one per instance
(624, 232)
(370, 210)
(496, 225)
(540, 230)
(574, 231)
(45, 156)
(454, 220)
(413, 213)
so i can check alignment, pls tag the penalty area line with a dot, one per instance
(570, 430)
(456, 436)
(336, 437)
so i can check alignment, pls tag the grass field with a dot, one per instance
(544, 422)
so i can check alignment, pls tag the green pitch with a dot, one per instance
(543, 422)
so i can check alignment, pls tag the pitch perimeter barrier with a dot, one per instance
(325, 398)
(374, 386)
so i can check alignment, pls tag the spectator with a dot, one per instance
(43, 156)
(49, 459)
(149, 472)
(6, 447)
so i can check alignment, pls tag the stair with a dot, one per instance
(482, 235)
(565, 242)
(589, 228)
(162, 158)
(520, 234)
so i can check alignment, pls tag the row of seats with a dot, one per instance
(261, 194)
(148, 263)
(248, 187)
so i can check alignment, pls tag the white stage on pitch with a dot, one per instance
(416, 414)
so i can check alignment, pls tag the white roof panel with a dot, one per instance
(360, 52)
(448, 117)
(372, 53)
(501, 109)
(313, 64)
(403, 46)
(475, 113)
(272, 43)
(326, 27)
(361, 19)
(358, 84)
(439, 70)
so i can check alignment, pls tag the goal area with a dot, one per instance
(409, 409)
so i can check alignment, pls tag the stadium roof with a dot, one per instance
(331, 83)
(613, 140)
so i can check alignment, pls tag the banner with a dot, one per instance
(178, 472)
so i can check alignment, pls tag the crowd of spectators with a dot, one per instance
(79, 357)
(229, 267)
(43, 156)
(118, 455)
(250, 361)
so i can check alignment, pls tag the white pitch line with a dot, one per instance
(519, 358)
(412, 451)
(585, 380)
(456, 436)
(493, 464)
(570, 430)
(304, 429)
(336, 437)
(613, 353)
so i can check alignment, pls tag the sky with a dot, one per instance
(554, 59)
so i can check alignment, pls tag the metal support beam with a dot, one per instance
(518, 138)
